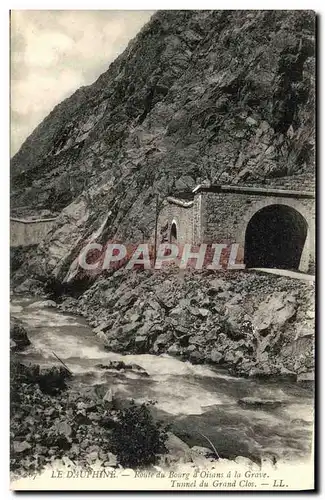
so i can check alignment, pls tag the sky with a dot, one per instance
(53, 53)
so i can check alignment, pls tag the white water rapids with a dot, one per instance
(196, 399)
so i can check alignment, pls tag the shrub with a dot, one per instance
(137, 439)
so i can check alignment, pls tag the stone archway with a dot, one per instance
(275, 238)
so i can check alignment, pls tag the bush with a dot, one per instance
(137, 439)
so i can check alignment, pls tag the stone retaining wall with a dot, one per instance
(25, 232)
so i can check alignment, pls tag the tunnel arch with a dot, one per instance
(275, 237)
(173, 232)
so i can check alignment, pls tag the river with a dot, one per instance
(196, 399)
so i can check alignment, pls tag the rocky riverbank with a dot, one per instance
(47, 426)
(52, 420)
(253, 324)
(101, 157)
(59, 417)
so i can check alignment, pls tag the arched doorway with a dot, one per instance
(275, 238)
(173, 233)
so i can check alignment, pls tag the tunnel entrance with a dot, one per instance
(275, 238)
(173, 233)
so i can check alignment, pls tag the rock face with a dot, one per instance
(224, 95)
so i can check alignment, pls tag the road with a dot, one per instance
(285, 272)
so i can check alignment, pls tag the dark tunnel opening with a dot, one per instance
(275, 238)
(173, 233)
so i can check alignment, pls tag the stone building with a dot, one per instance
(275, 228)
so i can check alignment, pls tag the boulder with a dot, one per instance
(233, 321)
(304, 329)
(112, 365)
(200, 312)
(174, 349)
(251, 402)
(110, 460)
(310, 314)
(140, 343)
(233, 357)
(138, 369)
(306, 377)
(218, 285)
(63, 427)
(164, 338)
(21, 446)
(18, 335)
(179, 315)
(235, 299)
(247, 462)
(109, 395)
(182, 332)
(95, 392)
(127, 299)
(42, 304)
(120, 365)
(126, 330)
(216, 356)
(284, 373)
(263, 371)
(50, 380)
(178, 451)
(70, 303)
(134, 317)
(28, 286)
(53, 380)
(225, 295)
(101, 336)
(102, 327)
(196, 357)
(274, 311)
(203, 312)
(148, 328)
(120, 337)
(198, 339)
(203, 451)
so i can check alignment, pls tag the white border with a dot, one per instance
(318, 6)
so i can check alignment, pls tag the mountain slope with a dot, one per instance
(224, 95)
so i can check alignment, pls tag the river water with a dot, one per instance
(196, 399)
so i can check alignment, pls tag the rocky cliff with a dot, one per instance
(223, 95)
